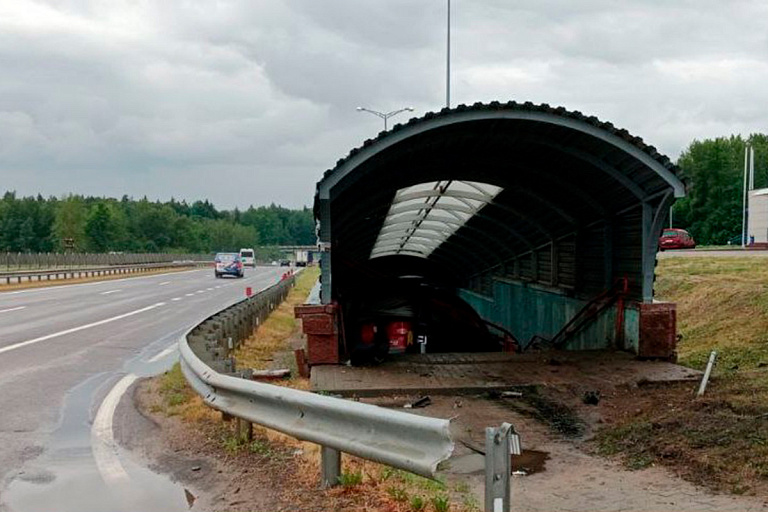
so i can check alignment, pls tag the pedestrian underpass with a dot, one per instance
(493, 227)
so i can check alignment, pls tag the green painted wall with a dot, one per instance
(528, 310)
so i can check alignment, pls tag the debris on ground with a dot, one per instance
(282, 373)
(190, 498)
(591, 397)
(424, 401)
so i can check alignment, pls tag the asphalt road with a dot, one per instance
(63, 348)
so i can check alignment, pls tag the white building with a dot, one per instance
(757, 220)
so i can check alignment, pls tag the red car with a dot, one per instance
(674, 238)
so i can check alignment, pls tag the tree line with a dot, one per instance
(711, 212)
(714, 171)
(95, 224)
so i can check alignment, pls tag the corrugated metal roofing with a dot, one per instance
(515, 106)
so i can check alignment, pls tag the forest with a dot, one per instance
(94, 224)
(712, 211)
(714, 173)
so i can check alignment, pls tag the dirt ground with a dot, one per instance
(590, 443)
(561, 470)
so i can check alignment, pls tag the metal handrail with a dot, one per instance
(402, 440)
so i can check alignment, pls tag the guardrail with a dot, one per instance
(399, 439)
(54, 274)
(52, 260)
(402, 440)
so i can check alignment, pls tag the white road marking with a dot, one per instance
(164, 283)
(12, 309)
(80, 328)
(103, 443)
(110, 291)
(209, 289)
(176, 298)
(162, 354)
(200, 291)
(188, 294)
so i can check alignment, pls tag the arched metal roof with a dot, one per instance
(474, 187)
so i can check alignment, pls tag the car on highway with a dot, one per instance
(228, 264)
(674, 238)
(248, 256)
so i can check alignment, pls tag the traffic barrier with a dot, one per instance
(399, 439)
(402, 440)
(76, 273)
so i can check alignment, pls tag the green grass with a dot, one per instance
(350, 479)
(261, 447)
(398, 493)
(721, 439)
(417, 503)
(174, 391)
(440, 503)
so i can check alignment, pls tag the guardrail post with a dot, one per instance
(330, 467)
(244, 430)
(498, 467)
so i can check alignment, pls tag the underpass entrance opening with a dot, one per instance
(496, 227)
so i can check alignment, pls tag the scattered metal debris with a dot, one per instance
(421, 402)
(282, 373)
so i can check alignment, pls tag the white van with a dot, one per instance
(249, 257)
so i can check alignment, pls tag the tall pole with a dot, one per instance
(744, 200)
(448, 61)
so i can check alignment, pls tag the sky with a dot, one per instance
(249, 102)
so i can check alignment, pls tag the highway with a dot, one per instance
(63, 349)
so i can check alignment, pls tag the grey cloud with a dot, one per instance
(250, 101)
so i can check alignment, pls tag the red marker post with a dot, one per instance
(248, 291)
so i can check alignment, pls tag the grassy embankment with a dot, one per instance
(721, 439)
(364, 485)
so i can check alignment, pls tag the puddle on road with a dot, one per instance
(529, 462)
(65, 477)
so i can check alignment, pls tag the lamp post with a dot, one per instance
(384, 115)
(448, 59)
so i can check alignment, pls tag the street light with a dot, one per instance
(383, 115)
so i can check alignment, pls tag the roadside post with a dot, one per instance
(707, 373)
(331, 467)
(500, 443)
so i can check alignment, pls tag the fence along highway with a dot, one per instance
(56, 339)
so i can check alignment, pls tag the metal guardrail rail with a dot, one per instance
(402, 440)
(73, 273)
(71, 260)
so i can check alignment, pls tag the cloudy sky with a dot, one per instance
(248, 102)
